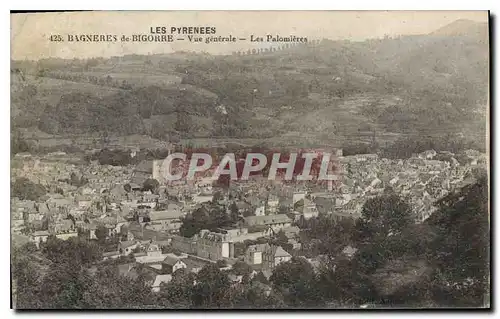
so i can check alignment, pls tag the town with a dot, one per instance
(135, 216)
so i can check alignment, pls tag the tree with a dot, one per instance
(151, 185)
(211, 288)
(234, 212)
(183, 123)
(218, 218)
(460, 250)
(114, 157)
(260, 277)
(217, 197)
(17, 143)
(344, 283)
(194, 222)
(330, 236)
(26, 274)
(254, 296)
(383, 216)
(74, 251)
(127, 188)
(64, 287)
(179, 291)
(109, 290)
(25, 189)
(101, 233)
(241, 268)
(296, 280)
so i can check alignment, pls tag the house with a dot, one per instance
(153, 254)
(260, 210)
(204, 185)
(253, 254)
(24, 209)
(291, 232)
(275, 255)
(277, 222)
(84, 201)
(350, 210)
(59, 201)
(166, 220)
(140, 232)
(110, 223)
(127, 247)
(202, 198)
(90, 227)
(239, 235)
(39, 236)
(269, 256)
(309, 210)
(243, 207)
(272, 204)
(31, 216)
(110, 255)
(61, 226)
(297, 196)
(295, 244)
(430, 154)
(349, 251)
(67, 235)
(171, 264)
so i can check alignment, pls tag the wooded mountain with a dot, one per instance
(339, 92)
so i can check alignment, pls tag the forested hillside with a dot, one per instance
(327, 92)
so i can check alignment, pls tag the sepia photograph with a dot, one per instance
(250, 160)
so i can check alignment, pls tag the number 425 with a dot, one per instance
(56, 38)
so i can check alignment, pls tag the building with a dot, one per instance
(309, 209)
(260, 210)
(268, 256)
(253, 254)
(183, 244)
(166, 220)
(275, 255)
(153, 254)
(297, 196)
(276, 222)
(127, 247)
(39, 236)
(171, 264)
(272, 204)
(67, 235)
(110, 255)
(212, 245)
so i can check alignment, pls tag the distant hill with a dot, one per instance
(465, 28)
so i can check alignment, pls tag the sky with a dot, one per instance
(30, 32)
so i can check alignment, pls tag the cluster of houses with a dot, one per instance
(145, 224)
